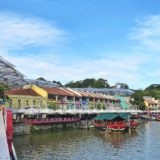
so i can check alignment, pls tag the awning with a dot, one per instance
(112, 116)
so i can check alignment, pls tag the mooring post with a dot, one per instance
(129, 125)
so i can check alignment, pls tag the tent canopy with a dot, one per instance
(112, 116)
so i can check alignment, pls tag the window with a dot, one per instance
(34, 102)
(27, 103)
(19, 103)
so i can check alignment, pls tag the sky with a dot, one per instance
(69, 40)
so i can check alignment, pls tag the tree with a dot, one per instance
(53, 105)
(122, 85)
(72, 84)
(59, 83)
(41, 79)
(3, 88)
(102, 83)
(89, 83)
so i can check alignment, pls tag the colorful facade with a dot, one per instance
(61, 98)
(151, 103)
(26, 97)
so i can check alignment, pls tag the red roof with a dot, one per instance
(73, 92)
(23, 92)
(58, 91)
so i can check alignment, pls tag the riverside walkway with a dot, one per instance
(4, 150)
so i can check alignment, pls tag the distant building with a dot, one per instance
(151, 103)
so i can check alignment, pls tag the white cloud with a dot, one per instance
(17, 32)
(123, 69)
(147, 33)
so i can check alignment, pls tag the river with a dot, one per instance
(143, 144)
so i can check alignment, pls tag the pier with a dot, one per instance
(6, 136)
(4, 154)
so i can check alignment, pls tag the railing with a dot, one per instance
(51, 120)
(4, 151)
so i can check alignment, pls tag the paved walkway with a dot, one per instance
(4, 152)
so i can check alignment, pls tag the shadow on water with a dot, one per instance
(115, 139)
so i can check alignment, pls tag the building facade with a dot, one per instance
(26, 97)
(60, 98)
(151, 103)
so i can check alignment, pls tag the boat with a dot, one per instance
(115, 122)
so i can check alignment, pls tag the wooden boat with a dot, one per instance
(117, 127)
(115, 122)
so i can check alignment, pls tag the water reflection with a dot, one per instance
(143, 144)
(116, 139)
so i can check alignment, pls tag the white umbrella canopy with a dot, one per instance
(86, 112)
(59, 111)
(95, 111)
(22, 110)
(31, 111)
(102, 111)
(68, 111)
(72, 111)
(80, 111)
(47, 111)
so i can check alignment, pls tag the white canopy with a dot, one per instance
(47, 111)
(59, 111)
(22, 110)
(72, 111)
(31, 111)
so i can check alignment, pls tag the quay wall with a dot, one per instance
(23, 129)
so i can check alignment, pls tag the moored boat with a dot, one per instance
(115, 122)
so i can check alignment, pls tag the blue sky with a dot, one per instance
(64, 40)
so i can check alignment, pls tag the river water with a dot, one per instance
(143, 144)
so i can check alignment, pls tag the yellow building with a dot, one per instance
(151, 103)
(28, 96)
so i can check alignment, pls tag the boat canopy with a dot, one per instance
(112, 116)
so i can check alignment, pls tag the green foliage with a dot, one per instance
(153, 87)
(91, 106)
(53, 105)
(99, 106)
(41, 79)
(59, 83)
(103, 106)
(138, 99)
(152, 91)
(3, 88)
(89, 83)
(35, 129)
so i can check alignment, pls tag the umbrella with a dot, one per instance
(59, 111)
(22, 110)
(31, 111)
(47, 111)
(72, 111)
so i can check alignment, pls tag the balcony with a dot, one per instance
(51, 121)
